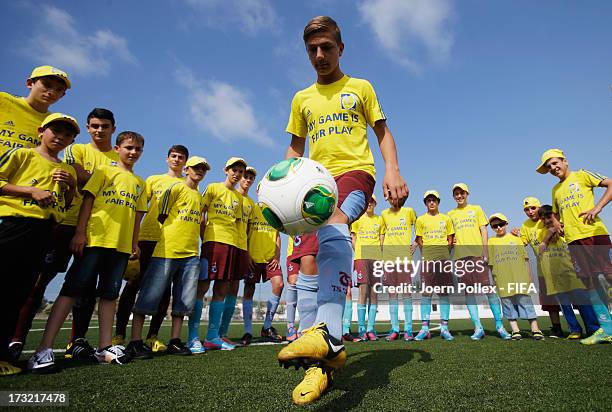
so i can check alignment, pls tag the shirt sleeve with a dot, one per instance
(168, 198)
(208, 196)
(9, 163)
(141, 205)
(419, 228)
(592, 179)
(371, 107)
(491, 254)
(383, 226)
(96, 182)
(355, 227)
(524, 235)
(450, 229)
(482, 217)
(297, 124)
(73, 154)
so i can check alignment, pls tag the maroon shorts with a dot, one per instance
(365, 272)
(437, 273)
(222, 260)
(397, 278)
(262, 272)
(549, 303)
(355, 180)
(293, 268)
(475, 271)
(591, 256)
(241, 266)
(59, 254)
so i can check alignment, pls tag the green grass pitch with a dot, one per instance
(433, 375)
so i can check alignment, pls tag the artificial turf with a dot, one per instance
(433, 375)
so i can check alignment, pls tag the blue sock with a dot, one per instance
(215, 311)
(496, 308)
(444, 311)
(228, 314)
(307, 286)
(348, 316)
(472, 308)
(247, 315)
(372, 317)
(425, 311)
(271, 310)
(408, 314)
(335, 260)
(602, 312)
(291, 300)
(194, 320)
(394, 313)
(361, 316)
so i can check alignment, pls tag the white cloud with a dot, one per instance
(222, 110)
(248, 16)
(57, 42)
(404, 27)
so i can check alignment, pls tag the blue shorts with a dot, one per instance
(98, 265)
(518, 306)
(182, 272)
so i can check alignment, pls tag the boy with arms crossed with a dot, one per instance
(585, 233)
(36, 188)
(346, 106)
(471, 237)
(175, 260)
(150, 231)
(105, 237)
(20, 117)
(434, 235)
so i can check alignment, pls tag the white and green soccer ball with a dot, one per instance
(297, 195)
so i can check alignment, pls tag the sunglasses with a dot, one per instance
(498, 225)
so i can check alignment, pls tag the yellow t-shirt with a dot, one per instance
(119, 194)
(19, 123)
(467, 222)
(26, 167)
(573, 196)
(530, 235)
(262, 238)
(247, 205)
(557, 267)
(434, 231)
(398, 226)
(508, 258)
(367, 236)
(156, 185)
(334, 119)
(180, 233)
(289, 245)
(224, 209)
(89, 158)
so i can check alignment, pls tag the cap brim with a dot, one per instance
(542, 169)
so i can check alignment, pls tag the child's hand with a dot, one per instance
(395, 188)
(42, 197)
(273, 265)
(78, 243)
(590, 215)
(413, 247)
(135, 252)
(62, 176)
(516, 231)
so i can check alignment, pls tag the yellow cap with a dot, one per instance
(499, 216)
(251, 169)
(197, 160)
(531, 201)
(549, 154)
(42, 71)
(233, 160)
(461, 186)
(374, 199)
(61, 117)
(431, 193)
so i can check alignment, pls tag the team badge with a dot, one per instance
(348, 101)
(402, 221)
(574, 188)
(297, 240)
(213, 268)
(471, 213)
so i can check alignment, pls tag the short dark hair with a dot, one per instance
(179, 148)
(100, 113)
(322, 23)
(545, 210)
(127, 135)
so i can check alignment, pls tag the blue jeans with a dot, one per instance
(518, 306)
(581, 301)
(182, 272)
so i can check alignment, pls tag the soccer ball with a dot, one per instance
(297, 195)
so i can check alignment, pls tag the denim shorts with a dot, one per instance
(98, 265)
(182, 272)
(518, 306)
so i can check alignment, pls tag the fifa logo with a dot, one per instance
(574, 188)
(348, 101)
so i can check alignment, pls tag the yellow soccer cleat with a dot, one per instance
(314, 384)
(155, 344)
(315, 347)
(118, 340)
(598, 337)
(6, 369)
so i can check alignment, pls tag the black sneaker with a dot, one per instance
(136, 349)
(14, 350)
(79, 349)
(246, 339)
(271, 335)
(556, 332)
(176, 347)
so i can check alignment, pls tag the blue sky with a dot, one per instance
(474, 91)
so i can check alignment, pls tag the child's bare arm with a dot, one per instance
(40, 196)
(394, 186)
(79, 241)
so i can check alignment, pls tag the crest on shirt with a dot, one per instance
(308, 113)
(442, 225)
(402, 221)
(9, 123)
(376, 226)
(471, 213)
(574, 188)
(34, 182)
(348, 101)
